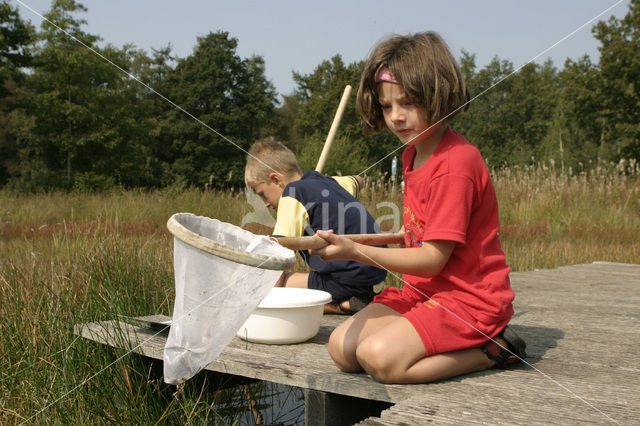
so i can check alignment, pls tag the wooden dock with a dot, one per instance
(582, 328)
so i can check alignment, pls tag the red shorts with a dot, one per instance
(443, 324)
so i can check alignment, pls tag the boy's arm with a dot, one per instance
(351, 184)
(291, 218)
(425, 261)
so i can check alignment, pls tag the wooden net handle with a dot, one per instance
(315, 242)
(333, 129)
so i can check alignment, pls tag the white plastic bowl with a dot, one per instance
(285, 315)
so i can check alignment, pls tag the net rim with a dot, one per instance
(207, 245)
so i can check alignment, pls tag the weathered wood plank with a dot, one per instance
(581, 324)
(498, 410)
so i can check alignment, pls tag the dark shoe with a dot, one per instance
(514, 353)
(357, 303)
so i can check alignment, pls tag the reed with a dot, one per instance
(72, 258)
(551, 218)
(67, 259)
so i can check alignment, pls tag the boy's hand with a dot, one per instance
(339, 248)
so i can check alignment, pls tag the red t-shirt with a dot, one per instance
(451, 197)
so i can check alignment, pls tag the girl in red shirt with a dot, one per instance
(451, 315)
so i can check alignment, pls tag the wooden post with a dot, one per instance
(325, 408)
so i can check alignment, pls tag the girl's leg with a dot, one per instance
(345, 339)
(395, 354)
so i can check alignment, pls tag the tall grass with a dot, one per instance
(551, 218)
(68, 259)
(72, 258)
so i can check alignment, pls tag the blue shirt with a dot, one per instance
(318, 202)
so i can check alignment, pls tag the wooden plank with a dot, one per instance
(498, 409)
(520, 404)
(581, 324)
(573, 273)
(570, 282)
(307, 366)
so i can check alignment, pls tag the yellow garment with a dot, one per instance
(292, 216)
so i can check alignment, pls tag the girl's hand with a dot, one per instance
(338, 248)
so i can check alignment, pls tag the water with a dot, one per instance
(262, 403)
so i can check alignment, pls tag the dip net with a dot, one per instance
(222, 272)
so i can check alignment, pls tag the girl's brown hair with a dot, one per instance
(427, 71)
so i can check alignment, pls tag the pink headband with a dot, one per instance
(383, 74)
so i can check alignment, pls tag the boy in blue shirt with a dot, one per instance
(306, 202)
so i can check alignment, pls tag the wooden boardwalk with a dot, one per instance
(582, 328)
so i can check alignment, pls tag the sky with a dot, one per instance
(297, 35)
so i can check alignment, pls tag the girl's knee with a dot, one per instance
(373, 357)
(342, 350)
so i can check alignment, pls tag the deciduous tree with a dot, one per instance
(225, 102)
(619, 78)
(16, 37)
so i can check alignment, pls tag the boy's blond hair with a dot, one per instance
(427, 71)
(267, 156)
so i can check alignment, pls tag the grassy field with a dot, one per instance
(71, 258)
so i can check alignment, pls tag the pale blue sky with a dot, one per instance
(298, 34)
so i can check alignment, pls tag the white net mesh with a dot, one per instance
(222, 272)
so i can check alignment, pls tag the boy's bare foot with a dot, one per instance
(347, 307)
(337, 308)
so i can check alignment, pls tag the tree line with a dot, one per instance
(76, 114)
